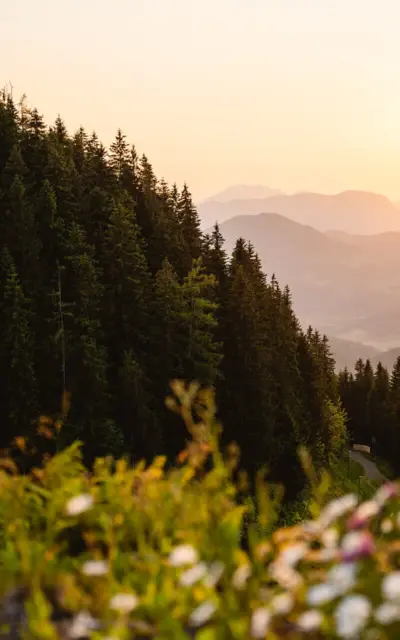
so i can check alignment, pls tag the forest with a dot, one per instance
(371, 399)
(109, 291)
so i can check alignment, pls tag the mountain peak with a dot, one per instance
(352, 211)
(244, 192)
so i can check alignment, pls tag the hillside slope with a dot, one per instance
(350, 290)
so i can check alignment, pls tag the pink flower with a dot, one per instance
(357, 545)
(386, 492)
(363, 514)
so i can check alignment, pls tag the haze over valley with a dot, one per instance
(351, 211)
(345, 283)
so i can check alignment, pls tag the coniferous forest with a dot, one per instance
(109, 290)
(372, 403)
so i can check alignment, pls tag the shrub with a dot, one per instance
(146, 551)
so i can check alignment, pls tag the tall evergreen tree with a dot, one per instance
(86, 358)
(190, 226)
(128, 287)
(18, 391)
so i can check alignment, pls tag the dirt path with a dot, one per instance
(371, 470)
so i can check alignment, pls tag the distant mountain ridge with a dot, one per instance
(347, 352)
(350, 211)
(387, 358)
(348, 287)
(244, 192)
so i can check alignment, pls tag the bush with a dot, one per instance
(146, 551)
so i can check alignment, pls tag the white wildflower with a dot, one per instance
(284, 575)
(260, 621)
(282, 604)
(391, 586)
(368, 509)
(357, 544)
(352, 615)
(183, 554)
(82, 625)
(202, 614)
(192, 575)
(352, 541)
(343, 577)
(387, 613)
(79, 504)
(312, 527)
(310, 621)
(326, 555)
(293, 553)
(95, 568)
(385, 492)
(387, 525)
(124, 602)
(321, 593)
(337, 508)
(215, 571)
(330, 538)
(241, 575)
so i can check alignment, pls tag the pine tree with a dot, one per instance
(34, 148)
(86, 358)
(20, 233)
(201, 353)
(120, 159)
(381, 424)
(167, 352)
(18, 393)
(167, 238)
(9, 130)
(248, 405)
(190, 226)
(394, 401)
(128, 287)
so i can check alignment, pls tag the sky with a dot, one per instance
(292, 94)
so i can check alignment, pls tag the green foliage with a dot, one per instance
(155, 552)
(372, 403)
(119, 292)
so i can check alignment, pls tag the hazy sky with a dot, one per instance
(293, 94)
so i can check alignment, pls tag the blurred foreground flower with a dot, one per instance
(124, 602)
(184, 554)
(95, 568)
(352, 615)
(79, 504)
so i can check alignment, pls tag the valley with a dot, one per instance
(346, 284)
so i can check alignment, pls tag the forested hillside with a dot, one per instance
(109, 290)
(371, 398)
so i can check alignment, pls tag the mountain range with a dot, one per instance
(347, 286)
(340, 255)
(350, 211)
(347, 352)
(244, 192)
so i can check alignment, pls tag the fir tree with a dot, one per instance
(190, 226)
(18, 393)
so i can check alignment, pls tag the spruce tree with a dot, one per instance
(381, 423)
(202, 354)
(126, 321)
(86, 357)
(190, 226)
(18, 392)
